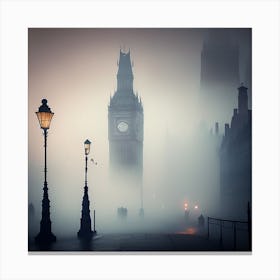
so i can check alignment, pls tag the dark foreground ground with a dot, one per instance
(139, 242)
(134, 242)
(173, 235)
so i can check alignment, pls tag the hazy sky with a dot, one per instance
(75, 70)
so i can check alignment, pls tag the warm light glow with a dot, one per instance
(186, 205)
(44, 115)
(87, 147)
(195, 207)
(44, 119)
(190, 231)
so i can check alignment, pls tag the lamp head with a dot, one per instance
(44, 115)
(87, 147)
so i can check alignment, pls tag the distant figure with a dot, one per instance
(201, 221)
(122, 212)
(31, 211)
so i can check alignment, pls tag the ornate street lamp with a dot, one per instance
(45, 235)
(85, 231)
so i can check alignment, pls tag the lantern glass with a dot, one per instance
(87, 147)
(44, 119)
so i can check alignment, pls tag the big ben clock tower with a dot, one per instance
(125, 128)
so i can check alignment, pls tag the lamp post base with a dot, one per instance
(45, 238)
(86, 235)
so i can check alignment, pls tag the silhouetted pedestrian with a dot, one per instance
(201, 221)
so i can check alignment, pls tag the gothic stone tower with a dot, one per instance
(125, 127)
(219, 74)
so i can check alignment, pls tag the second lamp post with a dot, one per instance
(85, 231)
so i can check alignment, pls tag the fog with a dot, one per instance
(75, 70)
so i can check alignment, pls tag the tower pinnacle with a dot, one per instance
(125, 75)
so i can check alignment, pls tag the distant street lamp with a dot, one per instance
(85, 231)
(45, 235)
(187, 212)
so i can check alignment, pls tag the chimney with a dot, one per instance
(242, 100)
(217, 128)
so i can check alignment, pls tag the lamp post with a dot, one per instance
(45, 235)
(85, 231)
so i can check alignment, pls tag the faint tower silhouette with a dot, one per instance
(219, 74)
(217, 128)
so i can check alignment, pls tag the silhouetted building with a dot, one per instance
(219, 74)
(125, 127)
(236, 161)
(31, 211)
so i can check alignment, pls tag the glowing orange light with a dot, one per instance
(191, 231)
(186, 205)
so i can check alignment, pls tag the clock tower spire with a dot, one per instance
(125, 75)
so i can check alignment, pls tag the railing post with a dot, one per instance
(249, 226)
(221, 232)
(208, 227)
(94, 220)
(234, 235)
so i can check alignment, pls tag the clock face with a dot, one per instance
(122, 126)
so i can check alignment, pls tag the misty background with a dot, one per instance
(75, 70)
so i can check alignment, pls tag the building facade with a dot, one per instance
(236, 161)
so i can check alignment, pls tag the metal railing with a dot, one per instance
(235, 225)
(229, 224)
